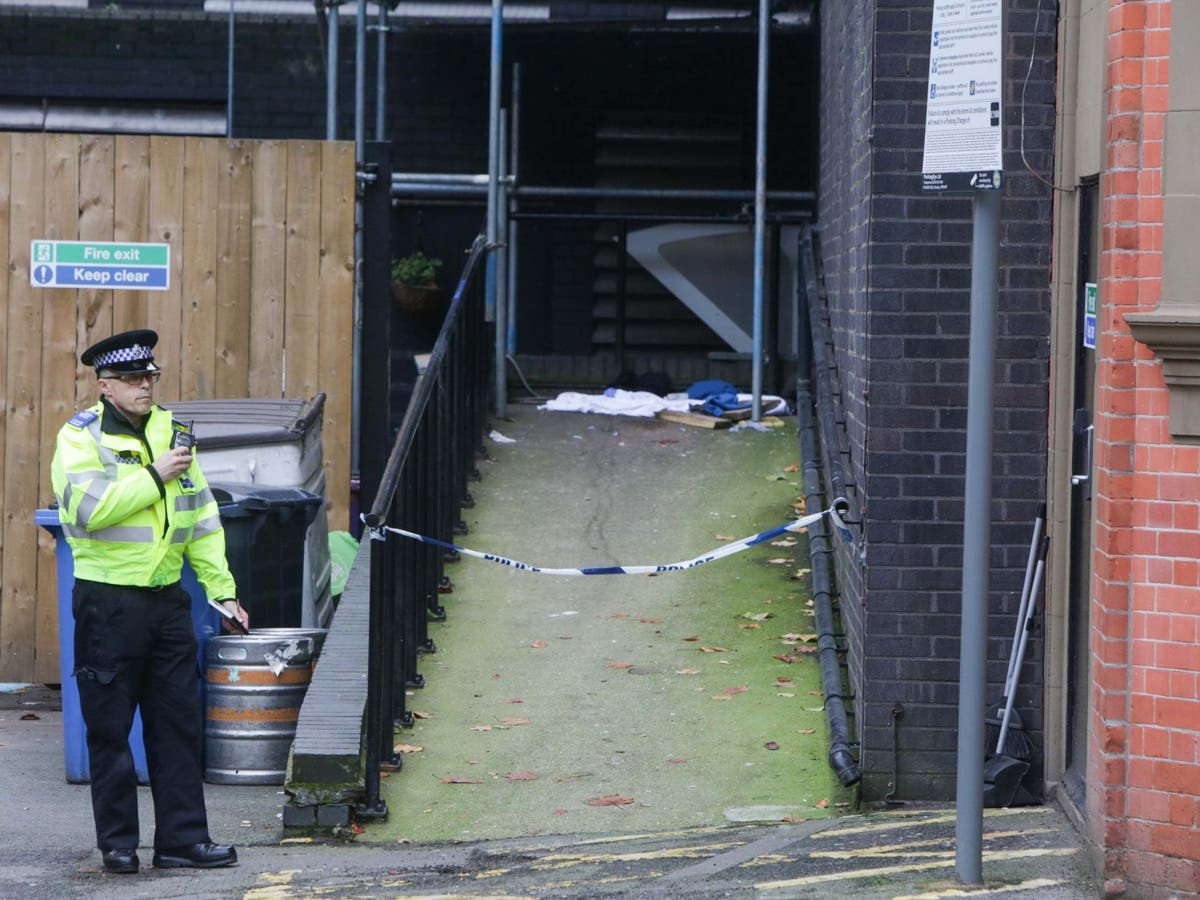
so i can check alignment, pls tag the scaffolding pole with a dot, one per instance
(760, 210)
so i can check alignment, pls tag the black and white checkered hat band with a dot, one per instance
(125, 354)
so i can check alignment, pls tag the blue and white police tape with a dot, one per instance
(727, 550)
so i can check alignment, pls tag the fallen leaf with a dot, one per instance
(610, 800)
(419, 714)
(651, 621)
(735, 690)
(816, 694)
(521, 776)
(455, 779)
(538, 645)
(801, 505)
(481, 727)
(620, 665)
(713, 650)
(782, 679)
(807, 638)
(794, 467)
(771, 745)
(781, 561)
(619, 616)
(687, 671)
(790, 638)
(31, 717)
(783, 657)
(749, 626)
(694, 637)
(560, 812)
(821, 804)
(509, 720)
(407, 748)
(786, 542)
(663, 441)
(791, 819)
(785, 694)
(676, 760)
(806, 731)
(722, 537)
(513, 700)
(721, 697)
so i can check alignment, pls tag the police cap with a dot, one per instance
(127, 353)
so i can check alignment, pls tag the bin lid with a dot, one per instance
(253, 421)
(238, 498)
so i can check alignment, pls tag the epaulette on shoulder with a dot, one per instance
(83, 418)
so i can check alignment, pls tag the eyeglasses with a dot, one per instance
(136, 380)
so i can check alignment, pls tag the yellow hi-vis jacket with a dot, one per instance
(124, 525)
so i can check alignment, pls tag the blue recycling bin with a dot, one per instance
(205, 619)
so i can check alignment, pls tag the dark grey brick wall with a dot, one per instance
(843, 220)
(898, 271)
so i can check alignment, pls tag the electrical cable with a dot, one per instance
(1024, 86)
(532, 393)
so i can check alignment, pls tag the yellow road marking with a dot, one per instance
(277, 887)
(1034, 884)
(934, 820)
(492, 873)
(564, 860)
(622, 838)
(895, 849)
(611, 879)
(989, 856)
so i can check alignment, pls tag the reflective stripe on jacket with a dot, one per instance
(123, 524)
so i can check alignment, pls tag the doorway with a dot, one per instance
(1080, 551)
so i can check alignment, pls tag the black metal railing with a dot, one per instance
(422, 490)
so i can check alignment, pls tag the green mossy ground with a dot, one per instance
(581, 686)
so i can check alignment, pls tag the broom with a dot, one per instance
(1005, 730)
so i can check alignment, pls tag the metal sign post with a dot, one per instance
(964, 151)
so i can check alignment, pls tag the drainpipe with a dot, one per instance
(841, 758)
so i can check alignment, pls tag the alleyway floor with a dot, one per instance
(626, 703)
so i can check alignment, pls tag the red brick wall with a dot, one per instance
(1144, 768)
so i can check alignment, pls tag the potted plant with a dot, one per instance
(414, 283)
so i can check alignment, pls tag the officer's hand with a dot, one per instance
(173, 463)
(239, 613)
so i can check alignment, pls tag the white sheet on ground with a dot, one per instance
(644, 404)
(623, 403)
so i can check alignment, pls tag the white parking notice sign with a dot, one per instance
(963, 122)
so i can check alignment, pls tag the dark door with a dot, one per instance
(1080, 574)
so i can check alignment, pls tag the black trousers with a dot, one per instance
(136, 647)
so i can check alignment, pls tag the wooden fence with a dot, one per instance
(260, 305)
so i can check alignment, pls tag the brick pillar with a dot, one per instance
(1142, 772)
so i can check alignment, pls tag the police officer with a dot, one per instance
(132, 501)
